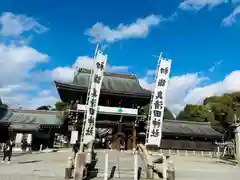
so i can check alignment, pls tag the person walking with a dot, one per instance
(24, 144)
(7, 151)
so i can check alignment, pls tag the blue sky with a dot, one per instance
(44, 40)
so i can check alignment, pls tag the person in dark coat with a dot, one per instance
(24, 144)
(7, 151)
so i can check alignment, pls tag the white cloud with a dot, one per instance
(189, 89)
(17, 64)
(216, 64)
(20, 82)
(151, 72)
(31, 101)
(15, 25)
(197, 5)
(66, 74)
(44, 97)
(231, 19)
(118, 68)
(5, 90)
(229, 84)
(177, 89)
(200, 4)
(84, 62)
(139, 29)
(17, 61)
(63, 74)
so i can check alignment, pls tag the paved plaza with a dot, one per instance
(203, 168)
(50, 166)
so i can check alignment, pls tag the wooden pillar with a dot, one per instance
(113, 142)
(118, 141)
(81, 99)
(129, 143)
(134, 137)
(114, 138)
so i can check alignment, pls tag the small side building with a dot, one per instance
(41, 124)
(187, 135)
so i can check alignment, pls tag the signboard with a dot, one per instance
(93, 98)
(157, 104)
(107, 109)
(74, 137)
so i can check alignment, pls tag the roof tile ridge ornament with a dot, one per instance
(111, 74)
(187, 122)
(121, 75)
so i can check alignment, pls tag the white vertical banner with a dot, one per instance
(158, 103)
(92, 104)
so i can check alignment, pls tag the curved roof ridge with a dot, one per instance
(112, 82)
(112, 74)
(187, 122)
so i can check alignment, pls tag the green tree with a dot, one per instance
(2, 104)
(46, 108)
(225, 100)
(235, 97)
(61, 106)
(223, 107)
(198, 113)
(236, 103)
(167, 113)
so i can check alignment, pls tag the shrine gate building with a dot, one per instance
(120, 90)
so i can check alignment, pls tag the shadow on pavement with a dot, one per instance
(225, 162)
(92, 174)
(113, 170)
(139, 172)
(26, 162)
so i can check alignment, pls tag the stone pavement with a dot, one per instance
(202, 168)
(120, 164)
(50, 166)
(187, 168)
(44, 166)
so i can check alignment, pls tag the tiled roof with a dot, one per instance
(189, 128)
(112, 82)
(29, 118)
